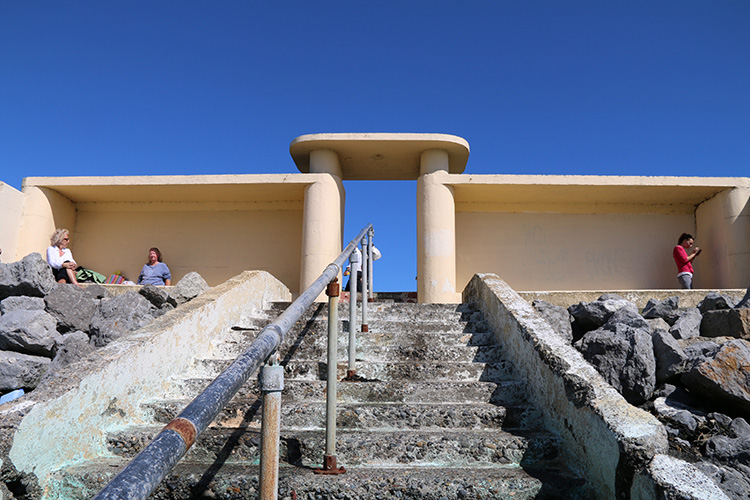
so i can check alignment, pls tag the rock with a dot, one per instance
(723, 376)
(588, 316)
(117, 316)
(557, 316)
(714, 301)
(739, 428)
(728, 450)
(73, 347)
(622, 352)
(26, 303)
(745, 302)
(665, 309)
(29, 332)
(679, 416)
(700, 350)
(20, 371)
(157, 296)
(669, 478)
(97, 291)
(72, 307)
(732, 482)
(30, 276)
(164, 309)
(726, 323)
(687, 324)
(189, 287)
(657, 324)
(670, 358)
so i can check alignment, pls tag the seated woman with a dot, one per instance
(155, 272)
(60, 258)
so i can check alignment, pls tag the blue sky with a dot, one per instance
(536, 87)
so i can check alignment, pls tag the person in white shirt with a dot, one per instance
(60, 258)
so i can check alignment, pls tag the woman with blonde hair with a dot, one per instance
(60, 258)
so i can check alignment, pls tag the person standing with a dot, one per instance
(684, 261)
(155, 272)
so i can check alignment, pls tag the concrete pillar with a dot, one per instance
(44, 211)
(436, 231)
(323, 219)
(722, 230)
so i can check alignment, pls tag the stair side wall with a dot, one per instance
(604, 437)
(65, 421)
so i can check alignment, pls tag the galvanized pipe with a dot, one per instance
(144, 473)
(352, 322)
(271, 381)
(370, 235)
(333, 333)
(365, 327)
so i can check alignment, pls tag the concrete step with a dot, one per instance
(381, 416)
(367, 351)
(376, 370)
(361, 447)
(457, 392)
(226, 481)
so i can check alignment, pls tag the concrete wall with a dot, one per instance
(606, 439)
(559, 251)
(11, 209)
(214, 239)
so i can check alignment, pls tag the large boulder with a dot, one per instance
(189, 287)
(732, 482)
(670, 358)
(558, 318)
(29, 332)
(72, 348)
(622, 352)
(20, 371)
(30, 276)
(115, 317)
(156, 295)
(22, 302)
(665, 309)
(688, 324)
(588, 316)
(714, 301)
(726, 323)
(72, 307)
(723, 375)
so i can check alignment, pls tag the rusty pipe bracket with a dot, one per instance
(333, 289)
(329, 466)
(365, 328)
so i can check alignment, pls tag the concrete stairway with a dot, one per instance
(439, 414)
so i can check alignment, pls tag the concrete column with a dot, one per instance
(44, 211)
(722, 230)
(436, 231)
(323, 219)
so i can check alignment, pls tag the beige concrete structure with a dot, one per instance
(536, 232)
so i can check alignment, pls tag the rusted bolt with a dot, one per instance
(333, 288)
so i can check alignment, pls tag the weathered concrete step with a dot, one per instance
(376, 370)
(370, 352)
(391, 337)
(360, 447)
(506, 393)
(381, 416)
(381, 310)
(405, 324)
(223, 481)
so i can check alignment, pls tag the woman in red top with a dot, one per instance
(684, 261)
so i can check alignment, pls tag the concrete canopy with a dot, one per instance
(380, 156)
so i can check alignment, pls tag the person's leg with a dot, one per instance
(72, 276)
(359, 281)
(686, 281)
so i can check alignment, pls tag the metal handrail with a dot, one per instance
(144, 473)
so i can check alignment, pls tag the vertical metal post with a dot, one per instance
(365, 328)
(352, 372)
(370, 235)
(271, 384)
(329, 460)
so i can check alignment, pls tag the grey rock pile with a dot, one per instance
(688, 366)
(45, 325)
